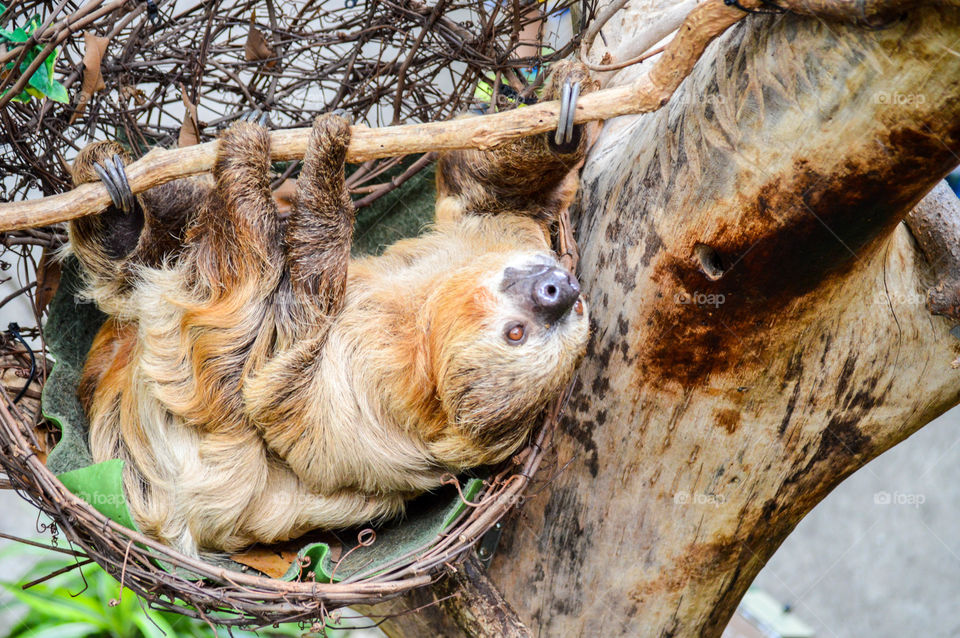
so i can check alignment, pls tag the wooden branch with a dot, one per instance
(935, 225)
(475, 605)
(704, 23)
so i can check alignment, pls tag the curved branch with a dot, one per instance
(702, 26)
(935, 225)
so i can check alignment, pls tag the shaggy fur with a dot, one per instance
(260, 384)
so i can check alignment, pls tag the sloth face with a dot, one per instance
(506, 347)
(541, 296)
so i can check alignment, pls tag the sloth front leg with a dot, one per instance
(101, 242)
(320, 228)
(525, 176)
(136, 230)
(237, 240)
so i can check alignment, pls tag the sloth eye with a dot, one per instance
(578, 307)
(515, 334)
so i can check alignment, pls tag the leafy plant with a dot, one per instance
(41, 83)
(67, 607)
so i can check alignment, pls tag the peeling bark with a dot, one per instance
(760, 328)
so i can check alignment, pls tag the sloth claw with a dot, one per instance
(114, 178)
(343, 113)
(256, 116)
(568, 105)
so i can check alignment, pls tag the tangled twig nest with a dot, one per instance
(150, 75)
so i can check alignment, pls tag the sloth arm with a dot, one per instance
(111, 243)
(235, 240)
(239, 239)
(317, 241)
(525, 176)
(320, 228)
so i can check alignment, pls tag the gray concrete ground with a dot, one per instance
(880, 557)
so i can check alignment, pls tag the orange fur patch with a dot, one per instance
(109, 356)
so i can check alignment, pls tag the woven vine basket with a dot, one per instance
(229, 596)
(141, 45)
(361, 566)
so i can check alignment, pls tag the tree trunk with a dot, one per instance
(760, 321)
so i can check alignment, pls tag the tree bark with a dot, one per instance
(474, 604)
(760, 321)
(935, 224)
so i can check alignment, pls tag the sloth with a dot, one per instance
(260, 383)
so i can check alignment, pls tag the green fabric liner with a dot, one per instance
(401, 213)
(392, 541)
(101, 485)
(70, 331)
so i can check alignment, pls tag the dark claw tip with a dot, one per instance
(109, 184)
(256, 116)
(123, 184)
(345, 114)
(114, 178)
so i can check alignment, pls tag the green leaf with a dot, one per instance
(32, 24)
(54, 607)
(40, 80)
(101, 485)
(24, 97)
(18, 35)
(58, 92)
(50, 61)
(59, 629)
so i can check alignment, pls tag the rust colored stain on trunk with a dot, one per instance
(718, 304)
(729, 420)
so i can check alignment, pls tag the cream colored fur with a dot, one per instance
(367, 452)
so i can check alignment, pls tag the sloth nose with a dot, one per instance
(553, 293)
